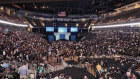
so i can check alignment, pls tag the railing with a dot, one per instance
(56, 68)
(33, 67)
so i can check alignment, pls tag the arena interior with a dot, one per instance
(69, 39)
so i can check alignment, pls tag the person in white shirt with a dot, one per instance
(4, 54)
(56, 77)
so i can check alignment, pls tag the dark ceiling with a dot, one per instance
(70, 6)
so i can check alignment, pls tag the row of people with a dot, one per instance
(4, 16)
(124, 17)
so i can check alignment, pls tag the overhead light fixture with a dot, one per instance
(66, 24)
(77, 25)
(43, 24)
(43, 7)
(26, 22)
(1, 8)
(85, 25)
(34, 16)
(35, 7)
(34, 23)
(29, 29)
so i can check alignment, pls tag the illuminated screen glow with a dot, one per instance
(74, 29)
(49, 29)
(62, 29)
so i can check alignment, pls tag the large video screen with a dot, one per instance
(73, 29)
(62, 29)
(49, 29)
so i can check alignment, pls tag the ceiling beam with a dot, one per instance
(29, 1)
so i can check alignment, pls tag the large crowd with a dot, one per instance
(107, 43)
(19, 45)
(124, 17)
(6, 17)
(16, 44)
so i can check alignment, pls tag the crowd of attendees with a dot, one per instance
(113, 67)
(116, 21)
(108, 43)
(19, 45)
(16, 44)
(6, 17)
(124, 17)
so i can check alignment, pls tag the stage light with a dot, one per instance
(43, 24)
(85, 25)
(34, 23)
(1, 8)
(77, 25)
(34, 16)
(43, 7)
(66, 24)
(35, 7)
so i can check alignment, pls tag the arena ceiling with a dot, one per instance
(70, 6)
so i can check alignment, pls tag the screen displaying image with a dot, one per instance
(74, 29)
(49, 29)
(62, 29)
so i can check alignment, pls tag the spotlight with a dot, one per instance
(77, 25)
(66, 24)
(35, 7)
